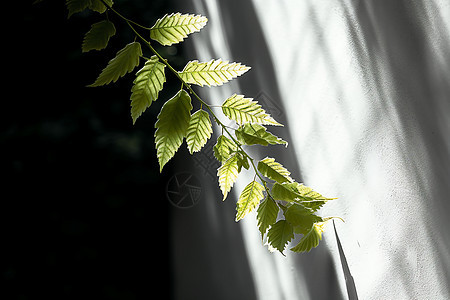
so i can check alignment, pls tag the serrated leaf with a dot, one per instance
(244, 110)
(249, 199)
(274, 170)
(98, 36)
(280, 234)
(252, 134)
(224, 148)
(199, 131)
(301, 218)
(212, 73)
(174, 28)
(267, 215)
(171, 126)
(311, 239)
(147, 85)
(294, 191)
(98, 6)
(310, 198)
(124, 62)
(228, 173)
(75, 6)
(286, 191)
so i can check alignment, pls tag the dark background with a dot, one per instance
(84, 212)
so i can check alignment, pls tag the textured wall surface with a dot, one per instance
(364, 89)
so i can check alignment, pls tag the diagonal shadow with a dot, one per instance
(349, 281)
(248, 45)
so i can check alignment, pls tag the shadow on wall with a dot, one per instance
(245, 42)
(411, 41)
(402, 50)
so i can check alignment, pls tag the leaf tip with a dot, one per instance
(225, 194)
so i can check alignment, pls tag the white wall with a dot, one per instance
(364, 89)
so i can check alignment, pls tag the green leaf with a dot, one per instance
(228, 173)
(311, 239)
(280, 234)
(249, 199)
(242, 160)
(267, 215)
(244, 110)
(124, 62)
(285, 191)
(171, 127)
(301, 218)
(97, 38)
(273, 170)
(147, 85)
(98, 6)
(294, 191)
(252, 134)
(310, 198)
(173, 28)
(224, 148)
(212, 73)
(75, 6)
(199, 131)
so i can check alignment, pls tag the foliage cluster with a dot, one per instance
(283, 206)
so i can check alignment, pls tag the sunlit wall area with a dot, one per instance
(364, 90)
(371, 85)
